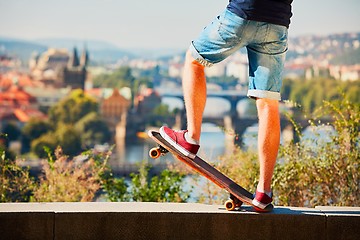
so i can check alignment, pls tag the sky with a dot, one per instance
(152, 24)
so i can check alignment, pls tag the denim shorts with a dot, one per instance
(266, 46)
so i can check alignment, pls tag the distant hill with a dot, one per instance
(21, 49)
(100, 51)
(351, 57)
(344, 48)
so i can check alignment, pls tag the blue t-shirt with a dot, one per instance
(271, 11)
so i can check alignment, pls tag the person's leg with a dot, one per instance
(221, 38)
(217, 41)
(266, 63)
(268, 140)
(194, 88)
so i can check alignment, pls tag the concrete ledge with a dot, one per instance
(172, 221)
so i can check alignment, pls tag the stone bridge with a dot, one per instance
(231, 122)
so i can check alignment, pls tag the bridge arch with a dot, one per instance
(222, 107)
(231, 96)
(173, 102)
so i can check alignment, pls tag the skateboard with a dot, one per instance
(238, 195)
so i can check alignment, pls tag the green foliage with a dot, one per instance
(323, 173)
(34, 129)
(72, 108)
(311, 93)
(310, 172)
(93, 130)
(68, 180)
(47, 140)
(162, 110)
(122, 77)
(74, 124)
(69, 139)
(164, 188)
(16, 185)
(12, 131)
(114, 188)
(350, 57)
(241, 166)
(82, 178)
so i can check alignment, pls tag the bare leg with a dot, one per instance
(268, 140)
(194, 87)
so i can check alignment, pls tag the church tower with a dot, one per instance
(84, 59)
(74, 59)
(74, 74)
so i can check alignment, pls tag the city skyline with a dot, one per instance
(156, 24)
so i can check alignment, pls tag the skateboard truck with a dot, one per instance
(156, 152)
(232, 203)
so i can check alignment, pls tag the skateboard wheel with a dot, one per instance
(154, 153)
(230, 205)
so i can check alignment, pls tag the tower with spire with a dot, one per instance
(74, 59)
(84, 59)
(75, 73)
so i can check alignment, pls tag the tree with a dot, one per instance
(310, 93)
(122, 77)
(34, 129)
(72, 108)
(46, 141)
(93, 130)
(69, 139)
(12, 131)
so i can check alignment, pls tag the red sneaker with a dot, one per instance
(177, 140)
(262, 202)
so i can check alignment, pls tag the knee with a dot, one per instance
(190, 60)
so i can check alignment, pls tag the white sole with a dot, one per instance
(175, 145)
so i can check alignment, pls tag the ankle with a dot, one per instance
(267, 191)
(191, 140)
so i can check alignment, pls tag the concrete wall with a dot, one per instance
(173, 221)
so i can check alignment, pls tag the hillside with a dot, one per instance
(351, 57)
(341, 49)
(99, 51)
(20, 48)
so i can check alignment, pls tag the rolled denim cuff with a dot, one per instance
(255, 93)
(198, 57)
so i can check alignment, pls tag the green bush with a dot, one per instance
(16, 185)
(323, 173)
(307, 174)
(164, 188)
(84, 178)
(68, 180)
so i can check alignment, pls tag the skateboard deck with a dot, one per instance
(238, 194)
